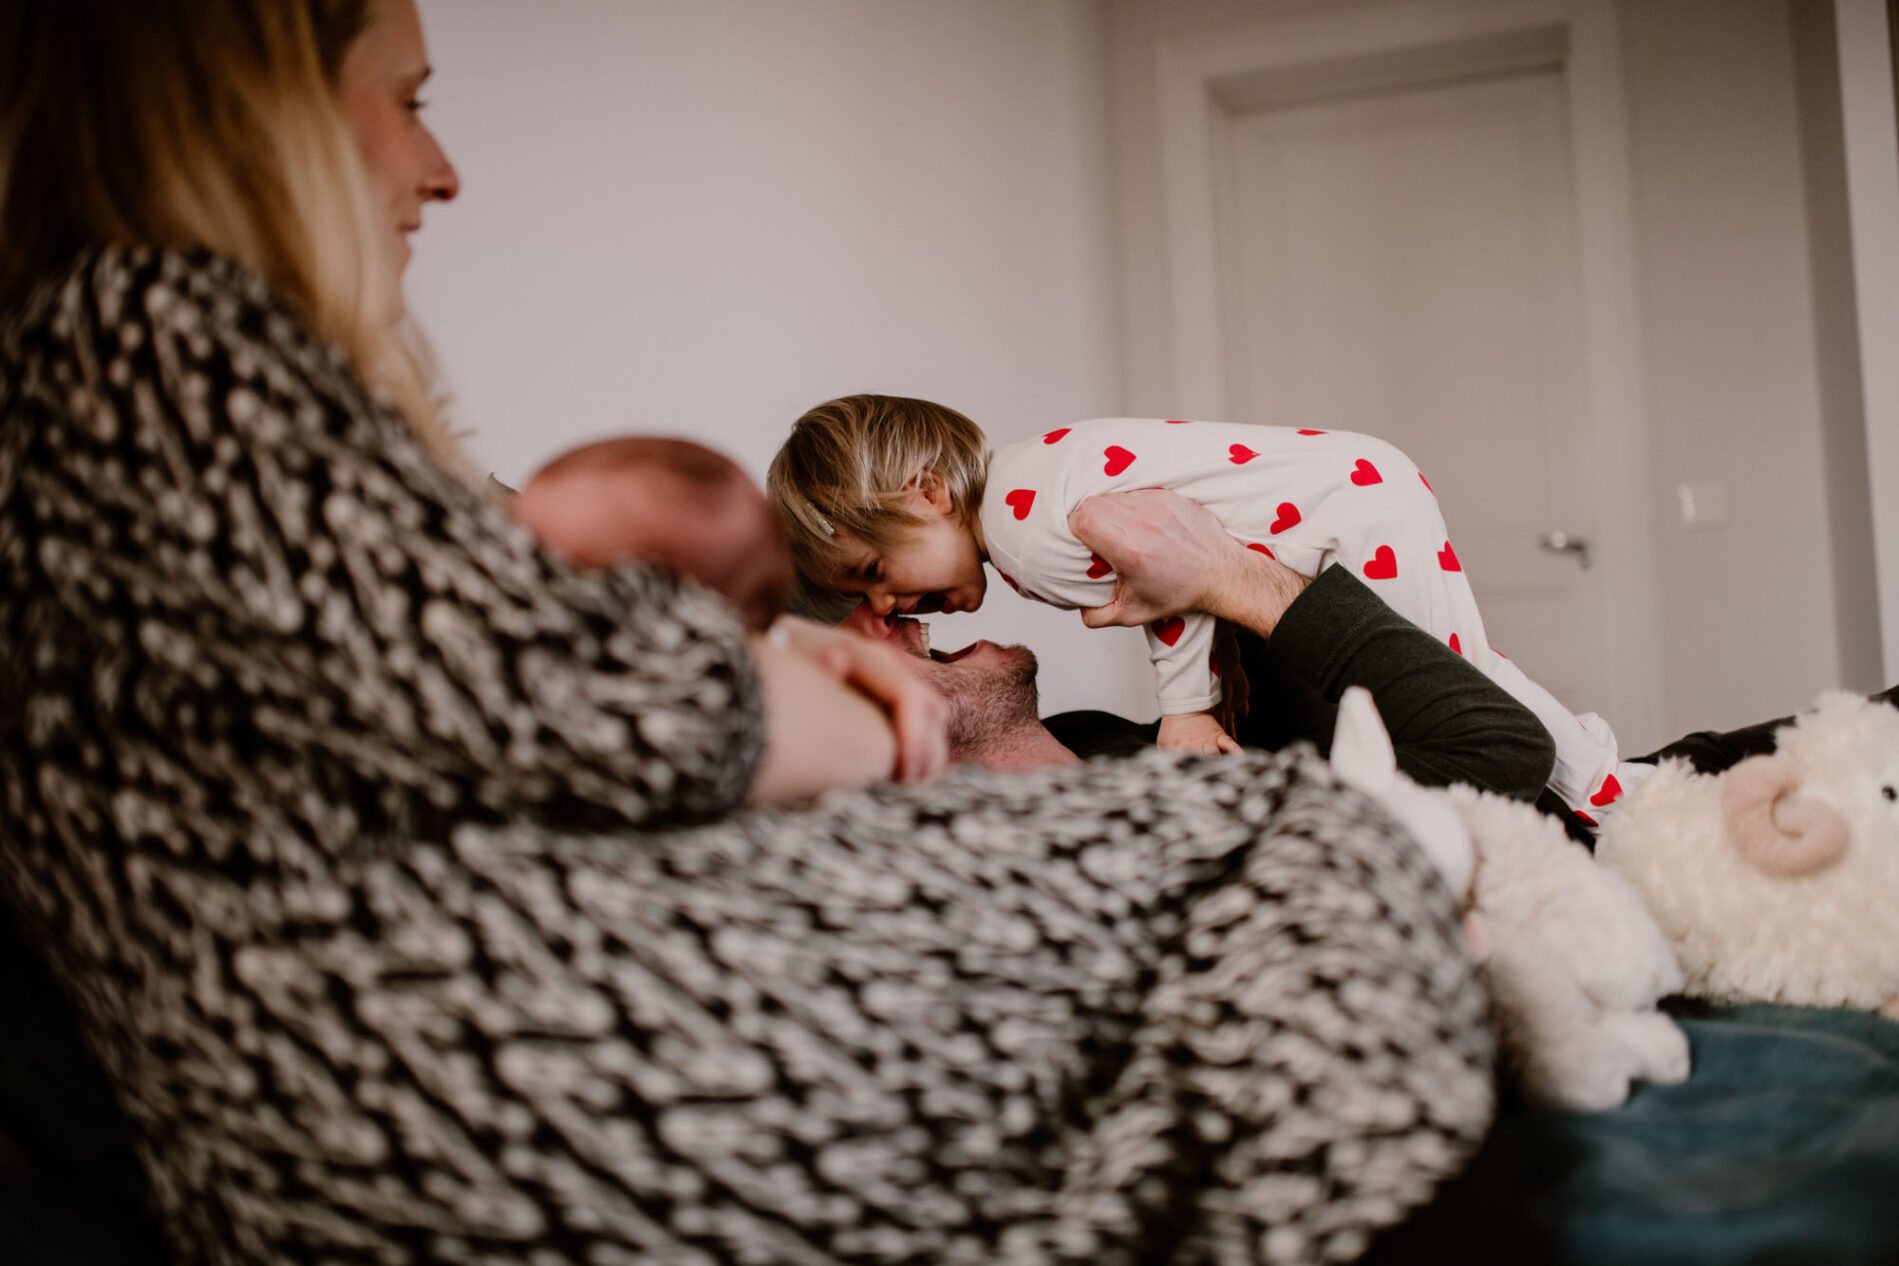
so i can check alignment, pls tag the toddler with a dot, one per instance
(669, 501)
(901, 501)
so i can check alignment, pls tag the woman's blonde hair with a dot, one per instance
(850, 465)
(204, 123)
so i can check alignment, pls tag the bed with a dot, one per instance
(1782, 1147)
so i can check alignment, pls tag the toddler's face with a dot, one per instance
(933, 566)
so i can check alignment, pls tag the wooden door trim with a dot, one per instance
(1203, 79)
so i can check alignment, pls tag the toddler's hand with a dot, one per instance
(1194, 732)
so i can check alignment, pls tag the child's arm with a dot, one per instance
(1034, 548)
(1181, 648)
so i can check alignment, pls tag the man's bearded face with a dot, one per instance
(990, 688)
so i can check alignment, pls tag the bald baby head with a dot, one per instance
(668, 501)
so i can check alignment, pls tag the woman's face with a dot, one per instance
(382, 74)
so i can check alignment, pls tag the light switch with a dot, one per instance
(1703, 505)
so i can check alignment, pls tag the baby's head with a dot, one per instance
(878, 496)
(667, 501)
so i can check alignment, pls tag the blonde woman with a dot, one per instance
(395, 871)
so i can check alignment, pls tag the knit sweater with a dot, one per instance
(392, 872)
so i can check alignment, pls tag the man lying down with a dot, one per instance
(994, 720)
(1447, 722)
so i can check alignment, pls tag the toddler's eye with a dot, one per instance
(1889, 792)
(875, 571)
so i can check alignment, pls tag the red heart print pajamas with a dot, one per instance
(1310, 498)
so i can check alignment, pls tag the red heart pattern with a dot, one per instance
(1119, 459)
(1056, 434)
(1611, 792)
(1447, 558)
(1020, 500)
(1427, 484)
(1456, 645)
(1262, 549)
(1169, 630)
(1364, 474)
(1239, 454)
(1383, 565)
(1009, 580)
(1308, 432)
(1178, 421)
(1288, 518)
(1098, 567)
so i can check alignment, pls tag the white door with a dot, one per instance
(1403, 264)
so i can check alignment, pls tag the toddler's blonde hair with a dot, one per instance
(849, 466)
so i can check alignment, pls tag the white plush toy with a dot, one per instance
(1573, 963)
(1779, 879)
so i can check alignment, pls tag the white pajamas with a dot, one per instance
(1310, 499)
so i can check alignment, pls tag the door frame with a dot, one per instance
(1204, 80)
(1871, 144)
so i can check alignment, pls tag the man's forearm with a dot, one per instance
(1448, 722)
(1255, 591)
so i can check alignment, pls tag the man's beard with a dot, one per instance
(991, 704)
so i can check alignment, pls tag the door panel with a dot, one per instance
(1403, 264)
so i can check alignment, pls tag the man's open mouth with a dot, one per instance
(953, 656)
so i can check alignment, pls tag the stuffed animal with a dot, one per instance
(1778, 880)
(1573, 963)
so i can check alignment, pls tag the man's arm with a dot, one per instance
(1448, 722)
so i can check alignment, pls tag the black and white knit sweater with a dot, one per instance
(393, 873)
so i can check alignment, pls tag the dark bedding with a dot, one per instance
(1783, 1147)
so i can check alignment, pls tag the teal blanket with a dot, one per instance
(1782, 1147)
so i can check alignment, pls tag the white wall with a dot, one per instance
(703, 218)
(1749, 621)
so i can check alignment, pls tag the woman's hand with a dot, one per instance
(918, 715)
(1171, 555)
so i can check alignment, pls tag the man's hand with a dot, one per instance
(1172, 555)
(918, 714)
(1165, 550)
(1194, 732)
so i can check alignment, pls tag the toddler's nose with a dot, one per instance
(866, 621)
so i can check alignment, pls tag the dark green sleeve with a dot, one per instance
(1448, 722)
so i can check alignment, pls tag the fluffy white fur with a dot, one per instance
(1787, 920)
(1572, 960)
